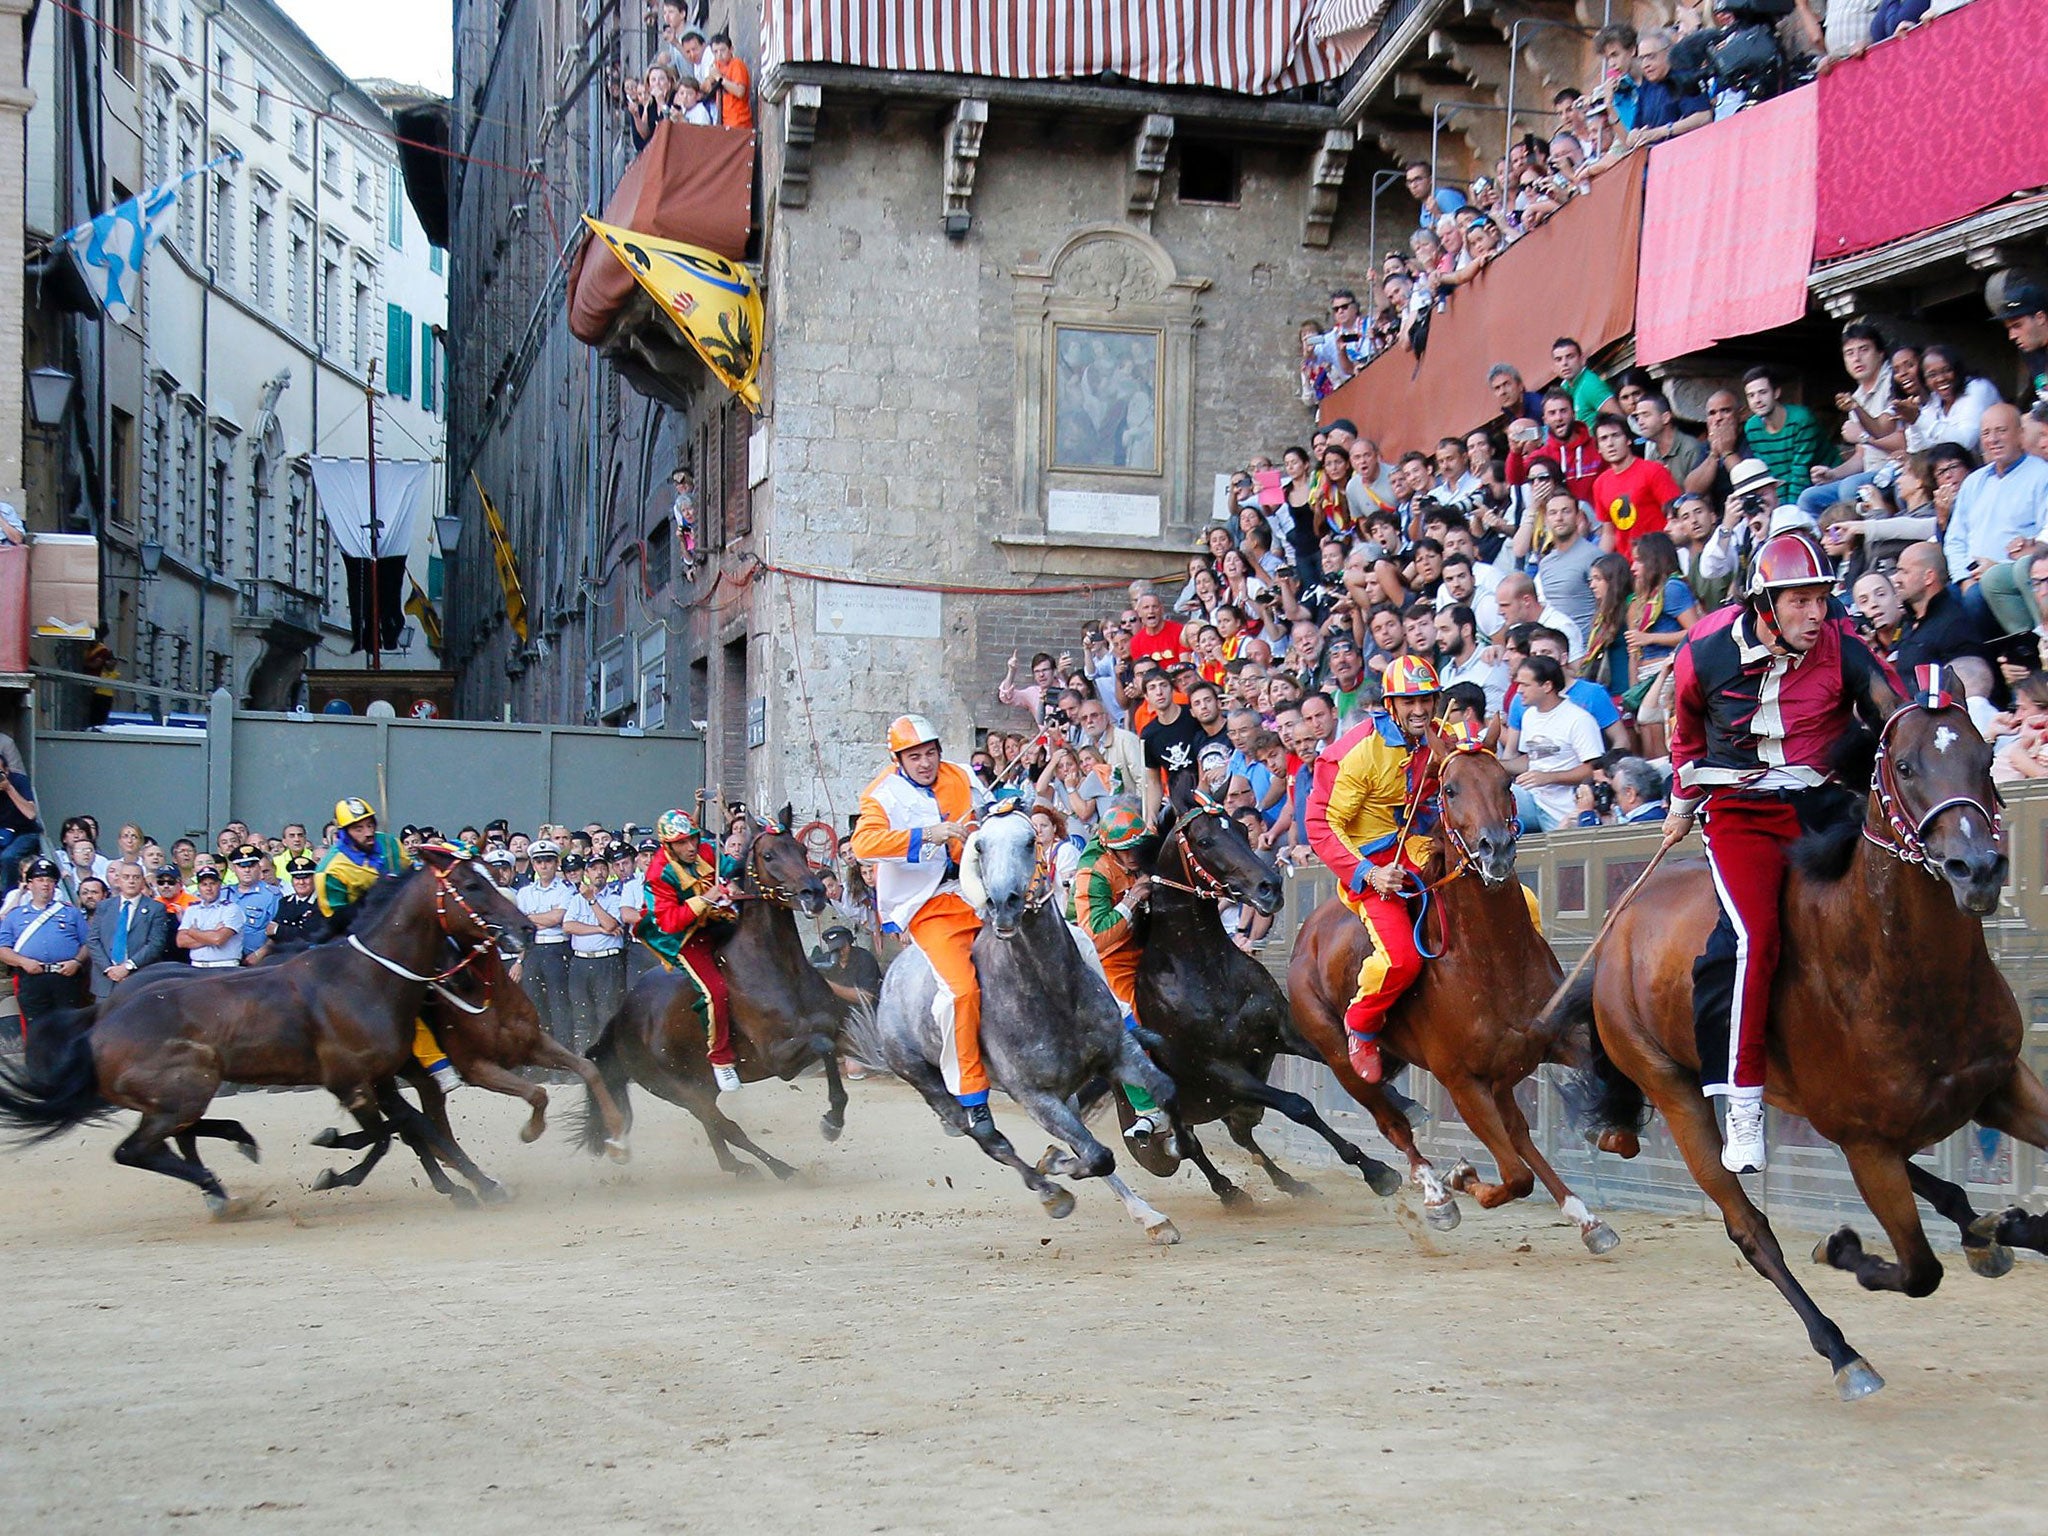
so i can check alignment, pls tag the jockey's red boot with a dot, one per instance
(1365, 1055)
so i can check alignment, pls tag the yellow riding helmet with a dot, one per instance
(907, 731)
(1409, 677)
(352, 810)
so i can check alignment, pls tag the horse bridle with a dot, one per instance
(444, 893)
(1908, 841)
(1208, 885)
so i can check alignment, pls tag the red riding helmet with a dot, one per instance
(1789, 559)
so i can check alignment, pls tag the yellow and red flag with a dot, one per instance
(712, 301)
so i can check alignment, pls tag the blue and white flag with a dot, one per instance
(110, 248)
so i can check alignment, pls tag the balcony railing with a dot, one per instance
(262, 600)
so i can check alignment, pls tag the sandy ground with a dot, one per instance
(899, 1340)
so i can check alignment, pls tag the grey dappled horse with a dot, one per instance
(1050, 1030)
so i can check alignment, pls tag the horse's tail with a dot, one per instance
(861, 1036)
(1598, 1097)
(61, 1090)
(590, 1132)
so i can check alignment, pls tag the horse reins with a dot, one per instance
(1208, 886)
(1908, 841)
(444, 893)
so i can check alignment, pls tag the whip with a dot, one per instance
(1600, 938)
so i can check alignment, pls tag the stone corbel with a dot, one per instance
(799, 132)
(1847, 304)
(1325, 180)
(963, 154)
(1148, 164)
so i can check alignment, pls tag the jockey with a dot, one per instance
(1765, 693)
(684, 891)
(1110, 898)
(360, 857)
(1370, 814)
(913, 819)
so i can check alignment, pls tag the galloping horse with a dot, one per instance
(1211, 1016)
(1052, 1035)
(785, 1014)
(1472, 1020)
(339, 1016)
(1891, 1026)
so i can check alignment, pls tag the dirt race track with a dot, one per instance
(899, 1340)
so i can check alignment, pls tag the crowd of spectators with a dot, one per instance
(1549, 565)
(692, 78)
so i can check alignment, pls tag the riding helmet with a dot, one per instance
(675, 824)
(1122, 827)
(907, 731)
(1409, 677)
(352, 810)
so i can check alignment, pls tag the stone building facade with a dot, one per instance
(966, 279)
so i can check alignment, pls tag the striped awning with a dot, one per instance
(1255, 47)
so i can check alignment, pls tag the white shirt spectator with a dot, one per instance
(1993, 509)
(546, 898)
(1490, 675)
(1876, 400)
(223, 913)
(1555, 742)
(581, 909)
(1958, 423)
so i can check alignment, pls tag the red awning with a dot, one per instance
(1576, 276)
(1728, 229)
(1933, 126)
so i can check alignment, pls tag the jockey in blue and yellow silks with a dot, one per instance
(684, 891)
(1370, 818)
(360, 857)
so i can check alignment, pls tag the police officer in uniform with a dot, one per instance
(298, 921)
(545, 969)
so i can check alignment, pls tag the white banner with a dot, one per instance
(343, 486)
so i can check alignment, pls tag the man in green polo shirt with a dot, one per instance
(1785, 437)
(1588, 390)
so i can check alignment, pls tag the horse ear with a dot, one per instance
(788, 816)
(1438, 740)
(1180, 792)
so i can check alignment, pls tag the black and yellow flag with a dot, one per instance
(713, 302)
(508, 565)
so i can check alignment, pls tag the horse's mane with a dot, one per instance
(379, 896)
(1825, 851)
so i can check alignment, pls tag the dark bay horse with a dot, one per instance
(1472, 1020)
(1211, 1016)
(785, 1014)
(338, 1016)
(1052, 1035)
(489, 1028)
(1891, 1028)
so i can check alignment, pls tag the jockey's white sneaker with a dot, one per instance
(728, 1078)
(445, 1077)
(1742, 1138)
(1147, 1125)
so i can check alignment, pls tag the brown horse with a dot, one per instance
(339, 1016)
(1472, 1019)
(1892, 1028)
(489, 1027)
(785, 1015)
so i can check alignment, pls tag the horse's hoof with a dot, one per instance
(462, 1199)
(329, 1137)
(1620, 1143)
(494, 1193)
(231, 1207)
(829, 1128)
(1165, 1233)
(618, 1151)
(746, 1173)
(1382, 1180)
(1058, 1202)
(1048, 1161)
(1301, 1189)
(782, 1171)
(1838, 1243)
(1993, 1261)
(532, 1130)
(250, 1150)
(326, 1178)
(1600, 1238)
(1463, 1177)
(1857, 1379)
(1443, 1217)
(1235, 1199)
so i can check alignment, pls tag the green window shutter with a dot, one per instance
(405, 326)
(426, 367)
(435, 576)
(394, 345)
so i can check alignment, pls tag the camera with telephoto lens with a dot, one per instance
(1603, 797)
(1751, 504)
(1464, 505)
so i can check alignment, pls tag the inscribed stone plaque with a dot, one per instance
(1110, 513)
(844, 609)
(1105, 392)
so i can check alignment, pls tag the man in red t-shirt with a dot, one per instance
(1157, 636)
(1631, 493)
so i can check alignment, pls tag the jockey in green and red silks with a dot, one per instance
(685, 890)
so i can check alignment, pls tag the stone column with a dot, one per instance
(15, 100)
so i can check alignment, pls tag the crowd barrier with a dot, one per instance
(1576, 875)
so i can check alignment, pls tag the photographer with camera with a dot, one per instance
(1745, 524)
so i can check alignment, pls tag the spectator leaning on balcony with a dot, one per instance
(1785, 437)
(1434, 201)
(1664, 106)
(2000, 507)
(2024, 309)
(1344, 348)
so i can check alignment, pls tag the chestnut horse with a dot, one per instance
(1891, 1026)
(785, 1014)
(1472, 1019)
(339, 1016)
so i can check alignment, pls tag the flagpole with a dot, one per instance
(376, 619)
